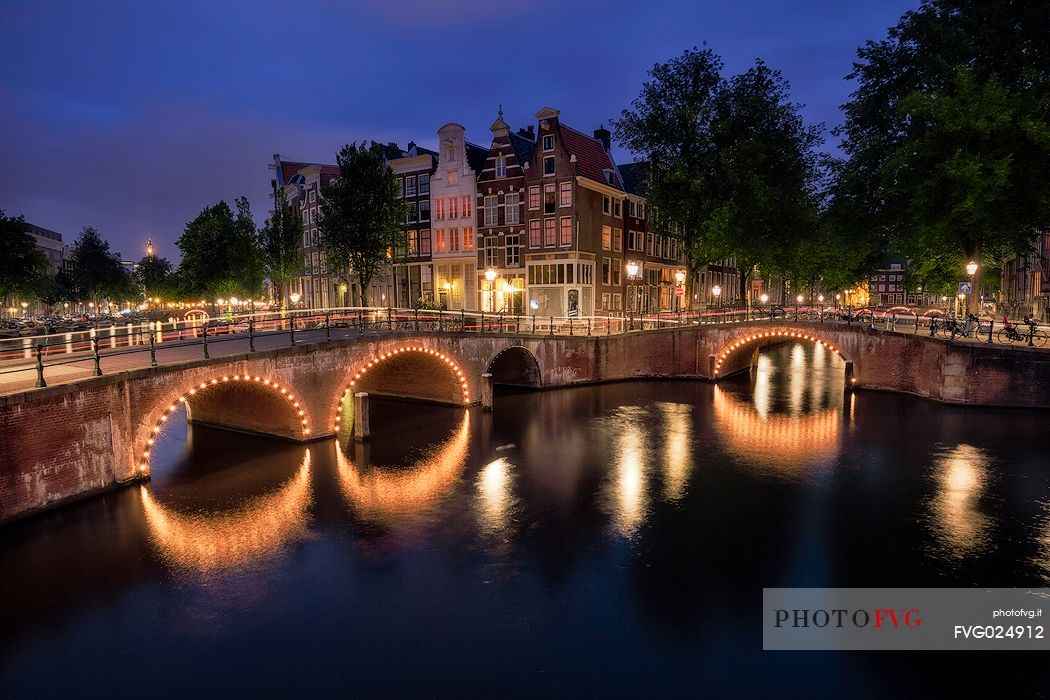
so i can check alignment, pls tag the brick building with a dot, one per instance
(1026, 282)
(501, 219)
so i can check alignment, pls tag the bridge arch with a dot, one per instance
(406, 371)
(211, 398)
(515, 365)
(728, 358)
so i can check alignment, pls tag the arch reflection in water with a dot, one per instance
(208, 542)
(787, 443)
(959, 526)
(383, 495)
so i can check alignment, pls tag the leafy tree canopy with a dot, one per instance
(97, 273)
(281, 239)
(221, 255)
(362, 215)
(23, 266)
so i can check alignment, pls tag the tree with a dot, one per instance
(732, 169)
(23, 266)
(97, 273)
(221, 256)
(670, 128)
(154, 273)
(362, 216)
(947, 134)
(281, 240)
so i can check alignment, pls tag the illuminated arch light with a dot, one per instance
(452, 365)
(721, 358)
(194, 390)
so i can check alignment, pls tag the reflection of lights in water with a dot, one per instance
(215, 541)
(818, 377)
(494, 497)
(960, 527)
(798, 377)
(1042, 559)
(785, 441)
(383, 494)
(677, 448)
(763, 391)
(628, 498)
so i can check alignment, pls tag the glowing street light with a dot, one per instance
(294, 297)
(764, 298)
(800, 298)
(490, 275)
(717, 291)
(971, 268)
(820, 298)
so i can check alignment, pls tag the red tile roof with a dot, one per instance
(592, 160)
(290, 168)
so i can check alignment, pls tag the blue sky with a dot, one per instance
(133, 116)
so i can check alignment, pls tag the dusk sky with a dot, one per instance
(132, 116)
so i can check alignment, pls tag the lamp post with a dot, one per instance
(294, 297)
(717, 291)
(971, 270)
(679, 292)
(632, 276)
(490, 275)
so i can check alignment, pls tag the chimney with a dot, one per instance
(411, 148)
(602, 134)
(529, 132)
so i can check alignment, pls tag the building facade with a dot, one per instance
(501, 219)
(411, 280)
(886, 288)
(453, 193)
(1026, 282)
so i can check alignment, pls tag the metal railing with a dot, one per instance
(277, 329)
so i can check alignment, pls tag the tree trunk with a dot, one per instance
(364, 282)
(972, 252)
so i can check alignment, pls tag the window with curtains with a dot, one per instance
(453, 208)
(468, 238)
(534, 197)
(453, 240)
(565, 190)
(606, 237)
(549, 232)
(441, 209)
(440, 242)
(566, 230)
(467, 205)
(512, 203)
(534, 233)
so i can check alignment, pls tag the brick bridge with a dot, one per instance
(68, 440)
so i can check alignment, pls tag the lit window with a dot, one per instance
(466, 205)
(468, 238)
(534, 197)
(549, 232)
(566, 230)
(534, 233)
(453, 177)
(566, 194)
(606, 237)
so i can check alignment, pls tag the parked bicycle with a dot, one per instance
(952, 327)
(863, 317)
(1010, 333)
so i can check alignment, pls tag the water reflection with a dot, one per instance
(961, 475)
(625, 491)
(676, 419)
(206, 542)
(383, 494)
(788, 443)
(495, 500)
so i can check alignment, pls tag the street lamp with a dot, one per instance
(490, 275)
(717, 291)
(971, 270)
(632, 277)
(294, 297)
(25, 306)
(764, 298)
(679, 278)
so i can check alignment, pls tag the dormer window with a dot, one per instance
(548, 142)
(610, 176)
(548, 165)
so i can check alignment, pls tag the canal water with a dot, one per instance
(610, 540)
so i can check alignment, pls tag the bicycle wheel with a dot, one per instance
(948, 331)
(864, 319)
(842, 318)
(1038, 339)
(1004, 337)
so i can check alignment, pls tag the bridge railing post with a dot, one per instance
(152, 343)
(96, 357)
(440, 319)
(416, 320)
(534, 324)
(251, 334)
(389, 319)
(991, 324)
(570, 325)
(481, 324)
(204, 334)
(462, 321)
(291, 329)
(40, 366)
(552, 326)
(327, 325)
